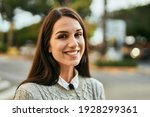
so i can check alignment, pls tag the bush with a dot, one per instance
(125, 62)
(22, 36)
(3, 47)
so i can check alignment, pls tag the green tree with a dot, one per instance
(40, 7)
(137, 20)
(8, 7)
(82, 7)
(24, 35)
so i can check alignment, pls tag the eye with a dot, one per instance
(78, 34)
(62, 36)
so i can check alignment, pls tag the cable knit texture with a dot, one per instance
(88, 89)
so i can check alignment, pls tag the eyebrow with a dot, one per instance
(67, 31)
(62, 32)
(79, 30)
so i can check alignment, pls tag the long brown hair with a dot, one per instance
(45, 69)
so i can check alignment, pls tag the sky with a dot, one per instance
(24, 18)
(21, 19)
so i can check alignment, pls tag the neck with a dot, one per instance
(67, 73)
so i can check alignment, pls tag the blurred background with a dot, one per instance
(119, 42)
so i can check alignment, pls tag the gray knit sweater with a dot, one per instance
(88, 89)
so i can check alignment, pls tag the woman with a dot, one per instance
(60, 69)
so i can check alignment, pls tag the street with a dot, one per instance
(119, 83)
(12, 71)
(128, 83)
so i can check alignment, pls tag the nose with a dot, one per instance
(73, 42)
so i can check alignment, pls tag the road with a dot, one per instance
(119, 83)
(12, 71)
(125, 83)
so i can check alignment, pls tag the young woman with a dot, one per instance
(60, 69)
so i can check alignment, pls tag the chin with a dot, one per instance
(75, 63)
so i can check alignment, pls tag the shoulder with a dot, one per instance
(96, 87)
(93, 82)
(26, 91)
(27, 86)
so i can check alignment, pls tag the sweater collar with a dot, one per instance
(74, 81)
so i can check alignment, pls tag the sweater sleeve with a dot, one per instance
(22, 94)
(98, 90)
(102, 94)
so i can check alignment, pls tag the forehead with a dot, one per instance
(66, 24)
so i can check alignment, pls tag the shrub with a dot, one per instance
(125, 62)
(3, 47)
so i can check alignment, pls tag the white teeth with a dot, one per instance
(72, 53)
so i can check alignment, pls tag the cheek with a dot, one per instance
(57, 47)
(55, 50)
(54, 45)
(82, 44)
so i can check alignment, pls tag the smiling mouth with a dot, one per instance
(72, 53)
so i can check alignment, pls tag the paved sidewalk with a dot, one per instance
(123, 82)
(13, 69)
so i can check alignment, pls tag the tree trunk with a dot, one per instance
(1, 38)
(10, 35)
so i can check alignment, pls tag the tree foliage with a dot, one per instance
(137, 20)
(39, 7)
(26, 34)
(7, 8)
(82, 7)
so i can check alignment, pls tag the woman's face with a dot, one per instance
(67, 43)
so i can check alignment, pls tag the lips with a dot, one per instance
(72, 52)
